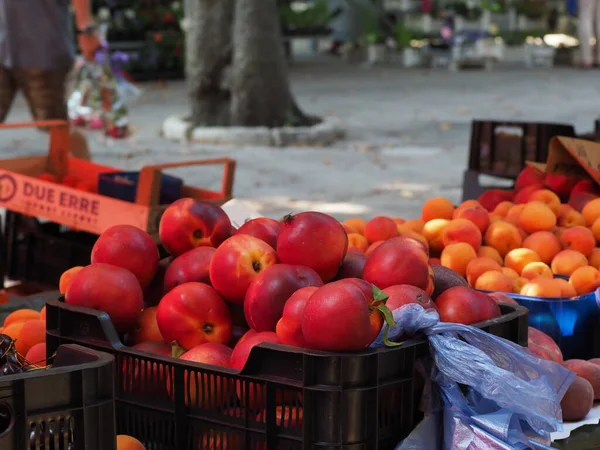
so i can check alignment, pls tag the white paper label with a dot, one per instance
(239, 212)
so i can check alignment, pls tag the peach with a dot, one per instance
(432, 231)
(399, 260)
(503, 237)
(544, 343)
(524, 194)
(262, 228)
(357, 241)
(415, 225)
(578, 400)
(188, 223)
(21, 315)
(437, 208)
(66, 277)
(566, 289)
(591, 212)
(147, 327)
(529, 176)
(193, 265)
(491, 198)
(586, 370)
(458, 256)
(270, 290)
(405, 294)
(548, 197)
(128, 443)
(237, 262)
(373, 246)
(128, 247)
(518, 284)
(111, 289)
(494, 281)
(567, 261)
(537, 216)
(32, 332)
(380, 228)
(352, 266)
(594, 258)
(579, 239)
(510, 273)
(479, 266)
(465, 305)
(242, 350)
(569, 218)
(585, 280)
(586, 186)
(315, 240)
(544, 243)
(490, 252)
(513, 214)
(535, 270)
(541, 287)
(477, 215)
(194, 313)
(502, 208)
(462, 230)
(357, 225)
(518, 258)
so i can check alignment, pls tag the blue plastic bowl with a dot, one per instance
(123, 186)
(573, 323)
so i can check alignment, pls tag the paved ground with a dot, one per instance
(408, 134)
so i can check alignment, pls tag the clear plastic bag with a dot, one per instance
(513, 399)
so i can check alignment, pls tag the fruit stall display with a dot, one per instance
(247, 321)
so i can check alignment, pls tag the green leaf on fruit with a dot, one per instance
(379, 295)
(176, 350)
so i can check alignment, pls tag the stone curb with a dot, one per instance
(325, 133)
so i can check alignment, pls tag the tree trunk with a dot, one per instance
(259, 84)
(208, 56)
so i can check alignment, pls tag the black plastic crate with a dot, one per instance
(39, 252)
(367, 400)
(501, 149)
(70, 406)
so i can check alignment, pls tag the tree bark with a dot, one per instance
(259, 84)
(208, 56)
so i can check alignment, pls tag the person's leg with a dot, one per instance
(586, 30)
(8, 89)
(45, 92)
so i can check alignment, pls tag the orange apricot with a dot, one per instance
(478, 215)
(356, 240)
(356, 224)
(519, 283)
(544, 243)
(494, 281)
(548, 197)
(585, 280)
(490, 252)
(462, 230)
(579, 239)
(535, 270)
(537, 216)
(541, 287)
(594, 258)
(125, 442)
(67, 277)
(437, 208)
(432, 231)
(503, 237)
(21, 315)
(566, 289)
(502, 208)
(32, 332)
(568, 218)
(518, 258)
(567, 261)
(13, 329)
(479, 266)
(591, 212)
(415, 225)
(457, 257)
(513, 214)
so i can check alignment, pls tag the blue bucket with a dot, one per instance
(123, 186)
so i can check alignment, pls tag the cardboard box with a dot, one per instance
(572, 157)
(21, 191)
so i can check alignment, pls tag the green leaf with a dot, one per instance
(379, 295)
(387, 315)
